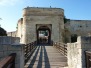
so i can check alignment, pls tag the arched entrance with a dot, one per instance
(43, 35)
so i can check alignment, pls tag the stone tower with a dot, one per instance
(37, 18)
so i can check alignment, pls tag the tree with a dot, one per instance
(66, 20)
(3, 32)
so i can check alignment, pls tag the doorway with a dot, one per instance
(43, 35)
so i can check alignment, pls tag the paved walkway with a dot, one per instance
(46, 57)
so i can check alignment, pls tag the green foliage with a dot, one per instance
(65, 20)
(3, 32)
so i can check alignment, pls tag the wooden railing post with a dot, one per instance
(61, 47)
(88, 59)
(13, 62)
(28, 49)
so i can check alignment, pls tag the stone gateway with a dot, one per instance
(49, 24)
(37, 20)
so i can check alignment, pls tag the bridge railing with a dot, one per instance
(28, 50)
(88, 59)
(8, 62)
(61, 48)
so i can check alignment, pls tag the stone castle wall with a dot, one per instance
(79, 27)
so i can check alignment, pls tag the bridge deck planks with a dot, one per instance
(46, 57)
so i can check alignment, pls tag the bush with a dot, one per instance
(66, 20)
(3, 32)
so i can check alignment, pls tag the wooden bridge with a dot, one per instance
(46, 57)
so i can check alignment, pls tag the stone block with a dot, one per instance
(5, 47)
(1, 40)
(15, 47)
(17, 65)
(1, 47)
(85, 39)
(6, 53)
(6, 40)
(1, 55)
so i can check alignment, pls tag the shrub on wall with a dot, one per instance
(66, 20)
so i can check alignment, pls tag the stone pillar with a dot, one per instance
(10, 45)
(76, 52)
(72, 55)
(6, 50)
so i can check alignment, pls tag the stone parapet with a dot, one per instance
(9, 40)
(42, 11)
(76, 52)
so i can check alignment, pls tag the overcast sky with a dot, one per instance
(11, 10)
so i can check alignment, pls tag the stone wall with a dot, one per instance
(13, 33)
(79, 27)
(10, 45)
(76, 52)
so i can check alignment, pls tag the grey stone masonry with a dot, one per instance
(10, 45)
(9, 40)
(76, 52)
